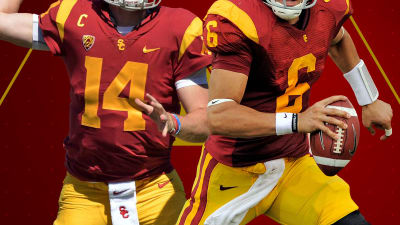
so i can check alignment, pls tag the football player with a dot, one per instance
(130, 64)
(267, 55)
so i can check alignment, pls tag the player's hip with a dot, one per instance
(158, 199)
(222, 193)
(103, 167)
(238, 152)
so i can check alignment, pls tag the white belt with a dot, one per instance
(123, 203)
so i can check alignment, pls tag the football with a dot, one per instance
(333, 155)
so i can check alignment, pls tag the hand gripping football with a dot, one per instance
(333, 155)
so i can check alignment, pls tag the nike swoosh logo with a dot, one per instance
(161, 185)
(145, 50)
(119, 192)
(222, 188)
(285, 116)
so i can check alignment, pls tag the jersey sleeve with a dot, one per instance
(230, 46)
(192, 55)
(342, 10)
(48, 25)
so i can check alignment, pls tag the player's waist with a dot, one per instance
(115, 172)
(246, 152)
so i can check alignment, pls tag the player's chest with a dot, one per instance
(293, 54)
(118, 65)
(288, 44)
(91, 36)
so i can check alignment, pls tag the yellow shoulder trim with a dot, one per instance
(54, 4)
(62, 15)
(194, 30)
(348, 7)
(237, 16)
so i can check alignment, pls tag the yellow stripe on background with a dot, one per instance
(62, 15)
(15, 76)
(375, 59)
(194, 30)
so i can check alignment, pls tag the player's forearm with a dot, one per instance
(344, 53)
(234, 120)
(194, 126)
(16, 28)
(10, 6)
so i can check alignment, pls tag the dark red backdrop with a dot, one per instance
(33, 123)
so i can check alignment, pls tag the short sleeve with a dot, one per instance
(192, 55)
(48, 24)
(342, 10)
(230, 46)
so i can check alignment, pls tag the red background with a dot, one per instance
(33, 123)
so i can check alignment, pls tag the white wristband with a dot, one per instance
(218, 101)
(38, 42)
(362, 84)
(285, 123)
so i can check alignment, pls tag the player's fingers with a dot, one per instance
(333, 99)
(157, 106)
(151, 98)
(164, 117)
(371, 130)
(387, 125)
(384, 137)
(165, 130)
(334, 121)
(336, 112)
(148, 109)
(328, 132)
(379, 126)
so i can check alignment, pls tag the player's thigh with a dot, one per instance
(160, 199)
(307, 196)
(83, 203)
(216, 185)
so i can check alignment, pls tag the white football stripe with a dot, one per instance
(330, 162)
(350, 111)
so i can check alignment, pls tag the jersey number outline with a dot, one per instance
(307, 61)
(212, 37)
(133, 74)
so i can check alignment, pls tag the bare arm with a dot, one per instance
(193, 124)
(234, 120)
(344, 53)
(15, 27)
(10, 6)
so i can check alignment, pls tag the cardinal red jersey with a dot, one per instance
(282, 62)
(109, 138)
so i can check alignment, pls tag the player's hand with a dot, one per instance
(157, 113)
(315, 117)
(378, 114)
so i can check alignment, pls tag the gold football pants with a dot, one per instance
(303, 194)
(159, 201)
